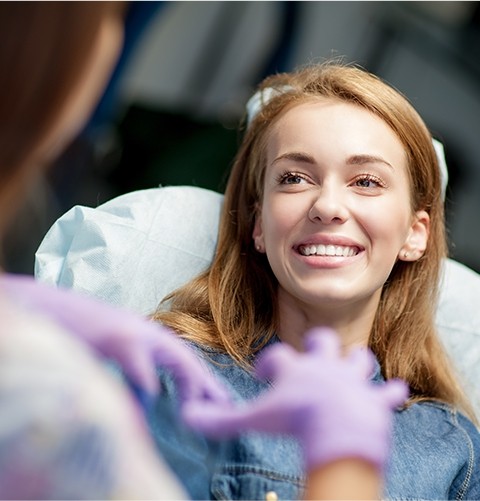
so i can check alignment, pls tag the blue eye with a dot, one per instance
(291, 178)
(368, 181)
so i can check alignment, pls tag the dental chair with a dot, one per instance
(135, 249)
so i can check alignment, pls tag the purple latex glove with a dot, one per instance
(136, 343)
(320, 397)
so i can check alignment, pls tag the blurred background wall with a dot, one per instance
(171, 113)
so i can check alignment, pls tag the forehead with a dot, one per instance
(334, 125)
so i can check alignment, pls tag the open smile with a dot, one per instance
(328, 250)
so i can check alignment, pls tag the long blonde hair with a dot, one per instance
(233, 305)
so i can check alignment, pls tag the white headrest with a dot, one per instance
(134, 249)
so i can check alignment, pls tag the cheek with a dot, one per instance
(390, 223)
(280, 217)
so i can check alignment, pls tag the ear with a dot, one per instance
(417, 239)
(257, 233)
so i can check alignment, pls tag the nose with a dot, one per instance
(328, 206)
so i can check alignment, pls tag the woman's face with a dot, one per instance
(336, 212)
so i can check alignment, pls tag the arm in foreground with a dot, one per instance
(68, 430)
(325, 400)
(136, 343)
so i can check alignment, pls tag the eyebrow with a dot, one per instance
(367, 159)
(295, 156)
(360, 159)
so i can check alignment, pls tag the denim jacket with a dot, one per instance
(435, 450)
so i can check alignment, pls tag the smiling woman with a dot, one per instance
(315, 221)
(333, 216)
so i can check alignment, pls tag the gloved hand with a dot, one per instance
(320, 397)
(136, 343)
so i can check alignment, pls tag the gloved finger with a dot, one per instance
(362, 360)
(322, 340)
(203, 386)
(139, 367)
(212, 420)
(273, 360)
(192, 378)
(167, 349)
(394, 392)
(214, 391)
(221, 421)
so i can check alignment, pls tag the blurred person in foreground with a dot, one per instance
(69, 428)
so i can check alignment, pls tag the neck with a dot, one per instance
(353, 322)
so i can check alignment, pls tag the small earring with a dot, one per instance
(258, 247)
(406, 254)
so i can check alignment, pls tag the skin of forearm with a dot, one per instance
(349, 478)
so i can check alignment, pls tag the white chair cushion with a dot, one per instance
(134, 249)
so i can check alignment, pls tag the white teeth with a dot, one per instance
(328, 250)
